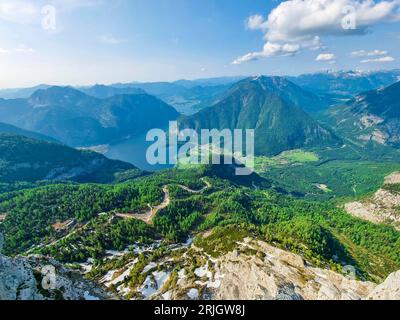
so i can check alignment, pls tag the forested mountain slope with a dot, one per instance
(370, 118)
(255, 104)
(30, 160)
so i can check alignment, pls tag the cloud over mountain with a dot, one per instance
(325, 57)
(297, 24)
(382, 59)
(364, 53)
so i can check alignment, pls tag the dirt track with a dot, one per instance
(148, 216)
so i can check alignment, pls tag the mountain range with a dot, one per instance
(283, 113)
(339, 85)
(270, 105)
(21, 93)
(371, 117)
(185, 96)
(103, 92)
(77, 119)
(189, 96)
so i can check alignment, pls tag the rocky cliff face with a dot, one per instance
(279, 275)
(382, 207)
(258, 271)
(36, 278)
(274, 274)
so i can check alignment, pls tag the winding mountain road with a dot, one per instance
(148, 216)
(207, 186)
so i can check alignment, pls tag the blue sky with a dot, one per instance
(101, 41)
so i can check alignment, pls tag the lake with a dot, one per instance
(134, 151)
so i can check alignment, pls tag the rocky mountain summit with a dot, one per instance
(275, 274)
(31, 279)
(280, 275)
(253, 271)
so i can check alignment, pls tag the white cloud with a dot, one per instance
(108, 39)
(24, 49)
(325, 57)
(299, 20)
(20, 49)
(364, 53)
(270, 49)
(383, 59)
(256, 22)
(303, 22)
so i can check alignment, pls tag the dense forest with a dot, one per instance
(320, 231)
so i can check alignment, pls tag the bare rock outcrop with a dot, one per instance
(388, 290)
(279, 275)
(37, 278)
(382, 207)
(256, 270)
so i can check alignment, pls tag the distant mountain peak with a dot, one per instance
(268, 79)
(271, 106)
(283, 88)
(257, 77)
(102, 91)
(56, 95)
(58, 90)
(357, 73)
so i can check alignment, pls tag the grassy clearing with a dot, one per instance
(264, 164)
(344, 179)
(299, 156)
